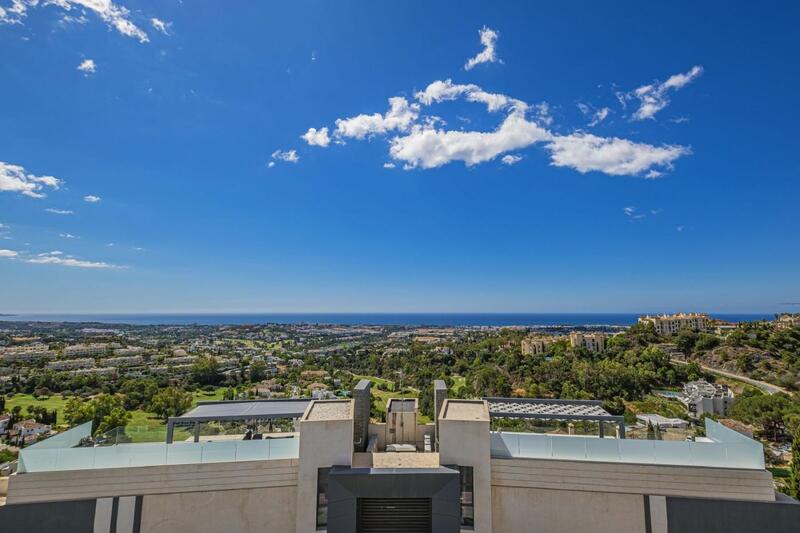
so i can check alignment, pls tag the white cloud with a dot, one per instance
(428, 147)
(633, 212)
(654, 97)
(599, 116)
(424, 141)
(653, 174)
(289, 156)
(595, 116)
(67, 236)
(440, 91)
(49, 259)
(116, 16)
(679, 228)
(87, 66)
(511, 159)
(487, 55)
(60, 211)
(271, 164)
(389, 165)
(14, 178)
(54, 252)
(618, 157)
(399, 117)
(317, 137)
(92, 199)
(160, 25)
(8, 253)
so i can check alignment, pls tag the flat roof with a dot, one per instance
(402, 405)
(465, 410)
(329, 410)
(244, 410)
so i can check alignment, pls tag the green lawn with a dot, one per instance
(202, 396)
(143, 427)
(375, 380)
(49, 402)
(658, 405)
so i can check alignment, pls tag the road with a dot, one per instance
(769, 388)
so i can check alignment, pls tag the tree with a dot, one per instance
(170, 401)
(105, 411)
(258, 371)
(138, 392)
(770, 411)
(205, 371)
(706, 342)
(693, 371)
(685, 340)
(77, 411)
(794, 473)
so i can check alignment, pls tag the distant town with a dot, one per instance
(663, 379)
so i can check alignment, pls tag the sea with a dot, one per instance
(378, 319)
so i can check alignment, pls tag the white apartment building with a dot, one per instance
(537, 344)
(702, 398)
(129, 351)
(672, 324)
(341, 472)
(71, 364)
(26, 354)
(787, 321)
(133, 360)
(594, 342)
(85, 350)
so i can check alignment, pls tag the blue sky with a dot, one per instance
(621, 156)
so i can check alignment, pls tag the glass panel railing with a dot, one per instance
(156, 454)
(735, 453)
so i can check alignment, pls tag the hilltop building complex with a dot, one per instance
(671, 324)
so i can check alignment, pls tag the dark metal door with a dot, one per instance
(394, 515)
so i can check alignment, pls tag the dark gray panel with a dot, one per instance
(346, 485)
(689, 515)
(64, 517)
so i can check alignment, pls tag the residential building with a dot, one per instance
(129, 351)
(133, 360)
(339, 471)
(70, 364)
(31, 353)
(537, 344)
(85, 350)
(671, 324)
(593, 342)
(30, 428)
(702, 398)
(4, 420)
(788, 320)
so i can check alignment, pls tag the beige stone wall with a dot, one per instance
(323, 443)
(690, 482)
(516, 509)
(108, 482)
(465, 442)
(249, 510)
